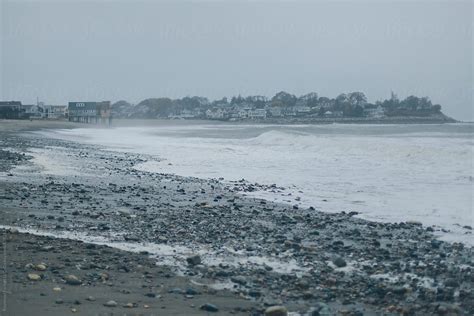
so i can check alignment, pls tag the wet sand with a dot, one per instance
(104, 274)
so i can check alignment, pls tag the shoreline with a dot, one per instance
(26, 125)
(345, 263)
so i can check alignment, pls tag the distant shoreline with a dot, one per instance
(441, 119)
(24, 125)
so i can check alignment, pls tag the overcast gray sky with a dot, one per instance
(111, 50)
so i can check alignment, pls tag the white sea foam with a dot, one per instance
(387, 173)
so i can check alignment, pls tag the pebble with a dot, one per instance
(34, 277)
(150, 294)
(320, 309)
(129, 305)
(339, 262)
(209, 307)
(193, 260)
(191, 291)
(71, 279)
(110, 303)
(40, 267)
(276, 311)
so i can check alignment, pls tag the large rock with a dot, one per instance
(276, 311)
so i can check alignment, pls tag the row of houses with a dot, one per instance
(251, 113)
(84, 112)
(17, 110)
(101, 112)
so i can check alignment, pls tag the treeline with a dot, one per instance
(353, 104)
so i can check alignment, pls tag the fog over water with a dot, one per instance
(110, 50)
(388, 173)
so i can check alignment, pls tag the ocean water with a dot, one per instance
(388, 173)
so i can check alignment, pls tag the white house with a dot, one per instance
(215, 114)
(244, 113)
(258, 114)
(54, 111)
(32, 110)
(42, 111)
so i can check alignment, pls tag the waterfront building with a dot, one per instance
(90, 112)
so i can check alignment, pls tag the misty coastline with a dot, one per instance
(259, 158)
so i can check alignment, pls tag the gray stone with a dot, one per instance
(193, 260)
(320, 309)
(34, 277)
(111, 303)
(71, 279)
(339, 262)
(209, 307)
(276, 311)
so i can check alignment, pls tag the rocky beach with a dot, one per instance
(105, 238)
